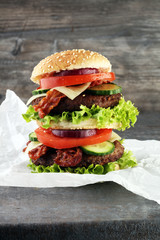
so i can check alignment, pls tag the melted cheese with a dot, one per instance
(114, 137)
(34, 97)
(73, 91)
(32, 145)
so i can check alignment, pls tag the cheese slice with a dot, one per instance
(70, 92)
(34, 97)
(32, 145)
(114, 137)
(73, 91)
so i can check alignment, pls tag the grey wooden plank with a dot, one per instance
(147, 127)
(56, 205)
(27, 15)
(97, 211)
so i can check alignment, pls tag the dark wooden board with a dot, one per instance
(38, 14)
(97, 211)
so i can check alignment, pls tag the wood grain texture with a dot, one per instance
(96, 211)
(127, 32)
(38, 14)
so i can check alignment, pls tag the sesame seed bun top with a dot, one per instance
(69, 60)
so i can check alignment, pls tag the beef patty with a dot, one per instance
(112, 157)
(87, 100)
(50, 157)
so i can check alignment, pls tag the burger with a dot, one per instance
(77, 107)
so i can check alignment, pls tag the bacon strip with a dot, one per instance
(42, 155)
(48, 103)
(68, 157)
(38, 152)
(98, 82)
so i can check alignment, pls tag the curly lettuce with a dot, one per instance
(124, 113)
(126, 161)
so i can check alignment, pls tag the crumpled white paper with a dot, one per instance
(143, 180)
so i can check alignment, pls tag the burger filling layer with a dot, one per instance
(66, 104)
(46, 156)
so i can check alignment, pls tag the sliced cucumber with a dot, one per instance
(39, 91)
(105, 89)
(100, 149)
(33, 137)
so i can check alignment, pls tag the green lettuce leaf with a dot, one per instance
(125, 113)
(31, 114)
(126, 161)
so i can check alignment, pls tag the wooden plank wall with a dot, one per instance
(125, 31)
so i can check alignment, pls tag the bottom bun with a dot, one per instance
(87, 124)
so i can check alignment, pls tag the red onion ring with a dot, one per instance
(81, 71)
(74, 133)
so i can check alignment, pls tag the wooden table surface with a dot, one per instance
(127, 32)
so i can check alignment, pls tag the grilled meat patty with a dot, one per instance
(52, 155)
(88, 100)
(112, 157)
(46, 159)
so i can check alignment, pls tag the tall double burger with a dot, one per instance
(77, 106)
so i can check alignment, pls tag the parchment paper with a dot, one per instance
(143, 180)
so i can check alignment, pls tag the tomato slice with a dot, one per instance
(51, 82)
(46, 137)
